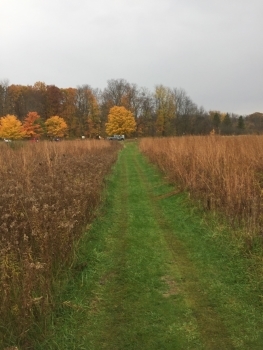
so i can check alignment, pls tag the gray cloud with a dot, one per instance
(212, 49)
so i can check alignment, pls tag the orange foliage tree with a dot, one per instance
(120, 122)
(32, 125)
(56, 126)
(11, 128)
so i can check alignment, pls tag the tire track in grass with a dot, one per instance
(142, 297)
(109, 312)
(114, 288)
(135, 312)
(226, 289)
(213, 332)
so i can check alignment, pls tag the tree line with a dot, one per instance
(85, 110)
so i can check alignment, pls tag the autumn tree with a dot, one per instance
(32, 125)
(165, 111)
(11, 128)
(88, 112)
(38, 100)
(120, 122)
(16, 101)
(121, 93)
(94, 121)
(254, 123)
(69, 109)
(115, 92)
(146, 115)
(85, 110)
(54, 100)
(56, 126)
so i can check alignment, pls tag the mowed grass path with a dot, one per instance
(149, 274)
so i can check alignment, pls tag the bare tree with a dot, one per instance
(4, 97)
(115, 91)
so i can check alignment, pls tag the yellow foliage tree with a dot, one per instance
(220, 115)
(11, 128)
(165, 110)
(93, 120)
(120, 122)
(56, 126)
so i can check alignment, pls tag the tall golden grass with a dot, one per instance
(226, 173)
(48, 192)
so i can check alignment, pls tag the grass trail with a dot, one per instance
(150, 275)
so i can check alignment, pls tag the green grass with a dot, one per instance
(150, 273)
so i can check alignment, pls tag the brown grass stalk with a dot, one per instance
(48, 192)
(226, 173)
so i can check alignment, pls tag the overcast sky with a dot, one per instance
(213, 49)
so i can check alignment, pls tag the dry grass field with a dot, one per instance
(226, 173)
(48, 192)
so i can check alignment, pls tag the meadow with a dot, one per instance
(49, 191)
(224, 173)
(154, 271)
(70, 273)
